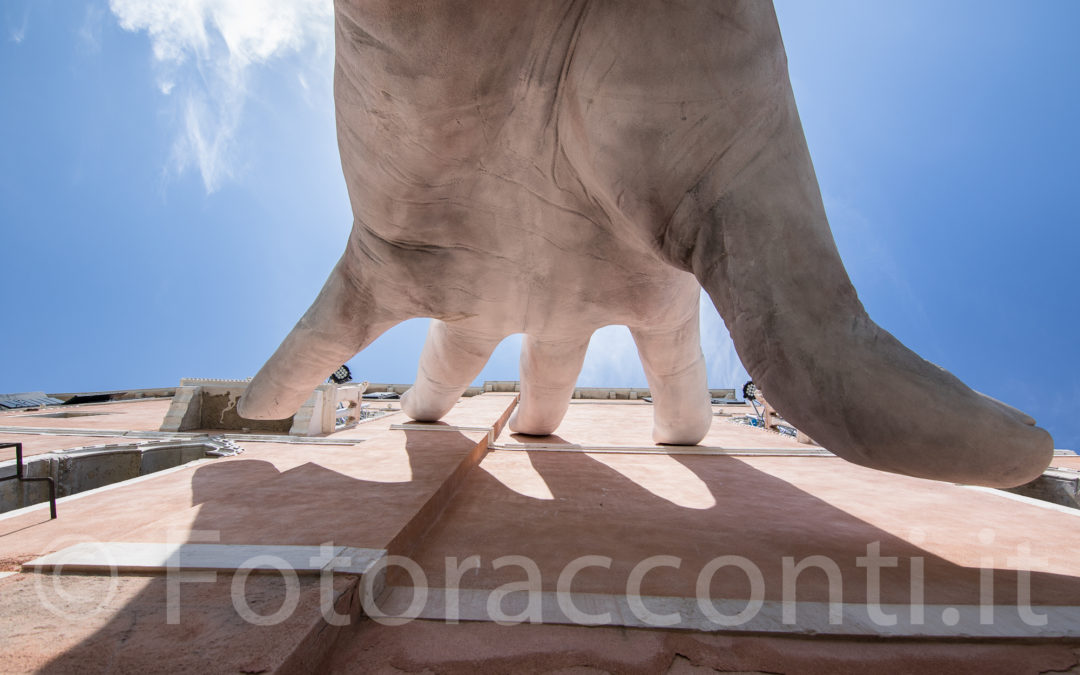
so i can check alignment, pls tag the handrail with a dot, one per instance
(21, 478)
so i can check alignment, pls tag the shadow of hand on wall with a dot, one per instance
(618, 507)
(252, 501)
(612, 506)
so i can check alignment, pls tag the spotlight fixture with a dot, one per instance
(341, 375)
(750, 393)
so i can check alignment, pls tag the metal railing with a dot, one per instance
(20, 477)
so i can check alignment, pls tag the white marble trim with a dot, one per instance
(663, 450)
(811, 618)
(1026, 500)
(490, 431)
(143, 558)
(179, 435)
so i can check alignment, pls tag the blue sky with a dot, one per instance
(171, 198)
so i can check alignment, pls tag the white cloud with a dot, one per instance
(19, 34)
(205, 51)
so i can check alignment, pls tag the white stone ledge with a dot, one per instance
(811, 618)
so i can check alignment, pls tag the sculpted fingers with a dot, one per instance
(675, 368)
(450, 361)
(549, 371)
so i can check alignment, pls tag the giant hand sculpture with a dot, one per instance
(549, 168)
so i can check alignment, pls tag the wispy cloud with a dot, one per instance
(18, 34)
(206, 49)
(90, 31)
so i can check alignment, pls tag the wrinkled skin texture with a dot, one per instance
(549, 168)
